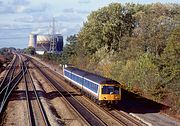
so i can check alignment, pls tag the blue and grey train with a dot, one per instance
(103, 90)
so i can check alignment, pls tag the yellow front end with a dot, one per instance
(110, 95)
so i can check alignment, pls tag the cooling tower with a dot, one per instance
(32, 40)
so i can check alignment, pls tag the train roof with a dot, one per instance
(94, 77)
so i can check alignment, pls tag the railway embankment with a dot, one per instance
(146, 110)
(3, 63)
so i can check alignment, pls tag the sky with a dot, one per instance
(18, 18)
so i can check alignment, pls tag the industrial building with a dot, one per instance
(46, 43)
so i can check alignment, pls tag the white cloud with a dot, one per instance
(68, 10)
(20, 9)
(33, 9)
(84, 1)
(34, 19)
(78, 11)
(69, 18)
(20, 2)
(66, 31)
(40, 31)
(14, 26)
(21, 6)
(27, 19)
(82, 11)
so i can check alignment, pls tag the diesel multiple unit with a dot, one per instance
(99, 88)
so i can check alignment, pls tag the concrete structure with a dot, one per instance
(42, 43)
(32, 40)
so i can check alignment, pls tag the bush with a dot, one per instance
(140, 75)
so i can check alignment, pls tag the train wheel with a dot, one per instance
(100, 103)
(94, 99)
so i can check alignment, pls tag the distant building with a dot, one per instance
(42, 43)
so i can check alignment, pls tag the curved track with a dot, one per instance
(121, 117)
(80, 108)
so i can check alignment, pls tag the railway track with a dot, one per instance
(83, 111)
(9, 83)
(36, 111)
(9, 74)
(123, 118)
(126, 119)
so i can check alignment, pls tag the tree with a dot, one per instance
(30, 50)
(69, 49)
(153, 25)
(170, 61)
(105, 28)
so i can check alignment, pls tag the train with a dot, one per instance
(101, 89)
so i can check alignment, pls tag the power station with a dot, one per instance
(43, 43)
(51, 43)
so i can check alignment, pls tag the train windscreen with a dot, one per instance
(110, 90)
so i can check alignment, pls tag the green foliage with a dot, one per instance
(154, 25)
(137, 45)
(141, 73)
(123, 42)
(170, 61)
(69, 49)
(30, 50)
(105, 28)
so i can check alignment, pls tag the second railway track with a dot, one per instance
(121, 117)
(36, 111)
(89, 117)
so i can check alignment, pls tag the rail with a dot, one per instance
(123, 118)
(32, 120)
(6, 78)
(80, 108)
(9, 83)
(13, 83)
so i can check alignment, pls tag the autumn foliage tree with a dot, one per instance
(136, 44)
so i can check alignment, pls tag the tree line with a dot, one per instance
(135, 44)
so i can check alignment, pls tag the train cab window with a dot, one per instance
(110, 90)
